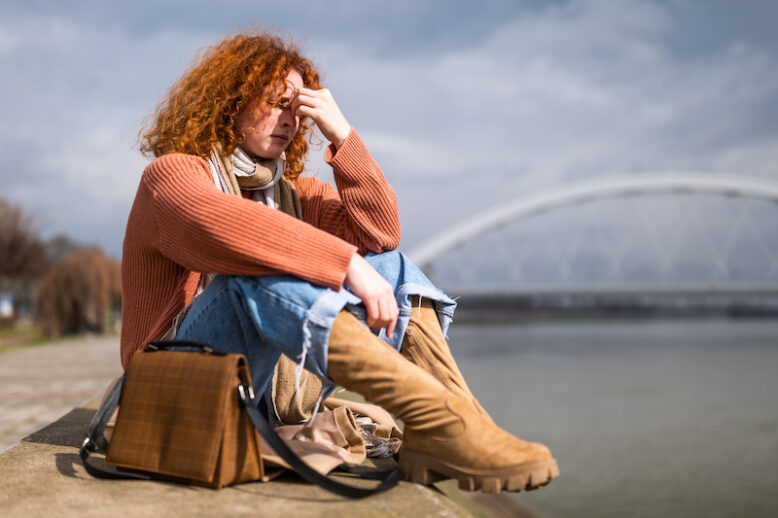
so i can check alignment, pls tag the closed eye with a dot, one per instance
(281, 104)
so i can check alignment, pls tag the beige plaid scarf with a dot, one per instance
(265, 179)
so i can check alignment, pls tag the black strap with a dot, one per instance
(246, 396)
(95, 431)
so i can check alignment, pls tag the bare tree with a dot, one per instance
(22, 255)
(21, 251)
(60, 246)
(81, 294)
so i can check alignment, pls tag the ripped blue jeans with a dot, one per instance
(262, 317)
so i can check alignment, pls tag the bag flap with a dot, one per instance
(172, 413)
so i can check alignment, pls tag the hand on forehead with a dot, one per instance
(292, 83)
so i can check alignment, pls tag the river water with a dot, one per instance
(646, 418)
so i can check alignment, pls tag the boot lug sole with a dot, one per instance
(425, 469)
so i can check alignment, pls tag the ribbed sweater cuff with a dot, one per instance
(335, 275)
(351, 156)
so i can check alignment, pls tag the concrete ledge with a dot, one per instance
(42, 476)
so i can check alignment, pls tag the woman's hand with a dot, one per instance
(377, 294)
(320, 106)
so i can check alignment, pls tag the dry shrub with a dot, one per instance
(21, 251)
(23, 258)
(81, 294)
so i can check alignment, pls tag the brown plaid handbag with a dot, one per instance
(192, 417)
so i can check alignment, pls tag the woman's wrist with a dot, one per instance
(342, 134)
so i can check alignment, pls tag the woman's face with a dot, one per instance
(268, 129)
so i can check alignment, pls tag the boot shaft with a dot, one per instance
(365, 364)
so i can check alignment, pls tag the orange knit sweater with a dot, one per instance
(181, 224)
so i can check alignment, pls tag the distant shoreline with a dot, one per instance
(506, 308)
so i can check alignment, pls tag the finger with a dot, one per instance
(324, 95)
(309, 100)
(312, 92)
(391, 316)
(303, 101)
(390, 328)
(385, 315)
(393, 307)
(306, 111)
(372, 314)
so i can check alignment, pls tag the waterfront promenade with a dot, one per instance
(48, 394)
(39, 384)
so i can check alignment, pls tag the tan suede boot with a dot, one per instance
(444, 436)
(425, 345)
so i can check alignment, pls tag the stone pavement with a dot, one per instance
(41, 475)
(39, 384)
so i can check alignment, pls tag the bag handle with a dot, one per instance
(246, 396)
(164, 345)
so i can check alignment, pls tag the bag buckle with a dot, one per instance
(87, 445)
(245, 392)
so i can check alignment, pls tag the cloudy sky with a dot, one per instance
(465, 105)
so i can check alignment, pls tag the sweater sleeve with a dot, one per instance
(206, 230)
(364, 209)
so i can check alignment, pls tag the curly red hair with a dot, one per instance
(202, 107)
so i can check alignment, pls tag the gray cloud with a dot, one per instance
(463, 105)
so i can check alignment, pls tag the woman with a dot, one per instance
(225, 196)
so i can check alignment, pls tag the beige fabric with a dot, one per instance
(377, 414)
(382, 436)
(287, 199)
(333, 439)
(285, 195)
(293, 407)
(225, 164)
(253, 173)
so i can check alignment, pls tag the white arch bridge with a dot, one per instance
(666, 235)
